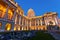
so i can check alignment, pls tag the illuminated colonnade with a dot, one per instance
(5, 13)
(14, 19)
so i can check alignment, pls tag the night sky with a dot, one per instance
(40, 6)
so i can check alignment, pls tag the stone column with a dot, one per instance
(14, 15)
(41, 22)
(35, 24)
(45, 20)
(6, 16)
(38, 22)
(14, 20)
(20, 20)
(22, 28)
(56, 20)
(27, 24)
(30, 23)
(22, 23)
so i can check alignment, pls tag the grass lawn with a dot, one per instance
(42, 36)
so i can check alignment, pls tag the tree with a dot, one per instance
(50, 23)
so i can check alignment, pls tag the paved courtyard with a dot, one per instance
(54, 34)
(26, 35)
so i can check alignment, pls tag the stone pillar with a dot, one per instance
(41, 22)
(6, 16)
(30, 23)
(46, 23)
(38, 22)
(22, 28)
(22, 23)
(45, 20)
(14, 15)
(20, 20)
(27, 24)
(35, 24)
(56, 20)
(14, 20)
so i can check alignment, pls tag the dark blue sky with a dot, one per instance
(40, 6)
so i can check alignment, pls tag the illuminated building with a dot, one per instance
(12, 18)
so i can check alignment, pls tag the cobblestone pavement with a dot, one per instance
(16, 35)
(54, 34)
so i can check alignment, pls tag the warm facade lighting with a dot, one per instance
(10, 14)
(2, 11)
(0, 24)
(15, 15)
(8, 26)
(19, 28)
(15, 28)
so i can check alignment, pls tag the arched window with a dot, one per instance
(15, 28)
(8, 27)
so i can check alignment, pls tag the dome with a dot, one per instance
(31, 13)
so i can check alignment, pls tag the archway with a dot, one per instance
(15, 28)
(8, 27)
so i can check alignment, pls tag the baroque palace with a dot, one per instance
(12, 18)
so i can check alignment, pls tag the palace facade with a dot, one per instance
(12, 18)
